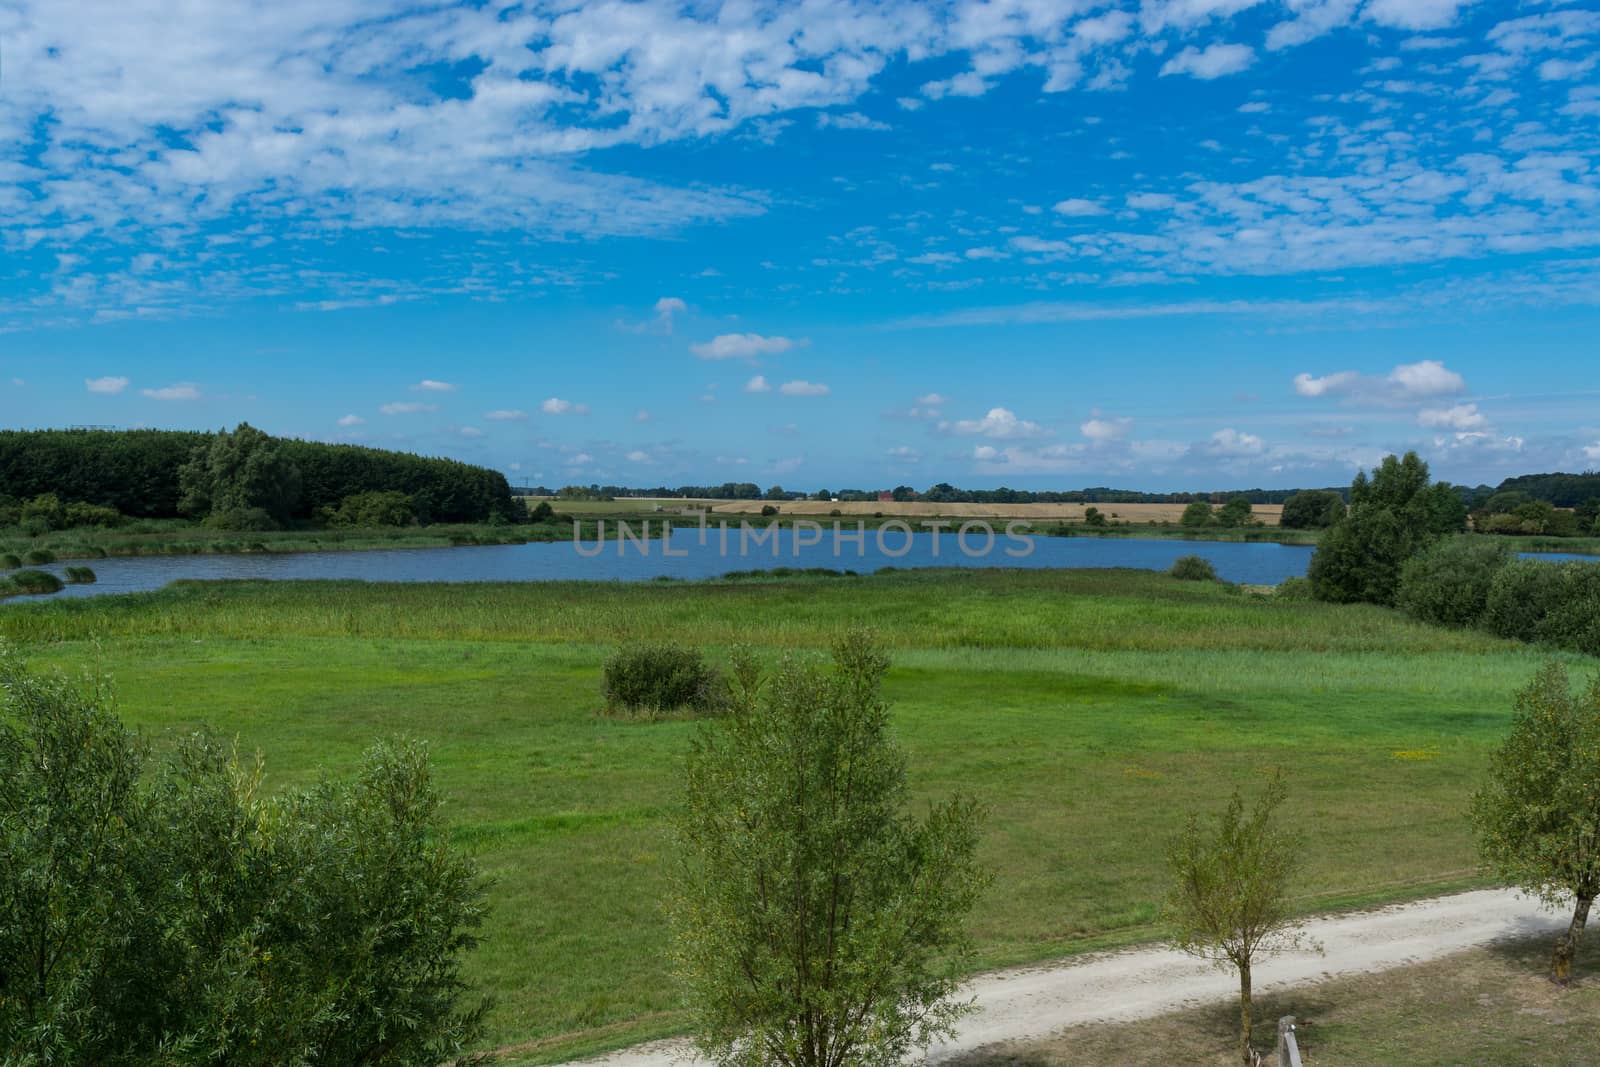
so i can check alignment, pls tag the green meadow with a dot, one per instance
(1089, 711)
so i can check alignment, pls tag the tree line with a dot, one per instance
(168, 473)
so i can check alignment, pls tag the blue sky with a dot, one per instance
(1173, 244)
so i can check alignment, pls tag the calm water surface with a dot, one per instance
(1260, 563)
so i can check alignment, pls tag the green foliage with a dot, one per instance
(1193, 569)
(817, 924)
(10, 561)
(1198, 513)
(658, 678)
(30, 583)
(80, 575)
(768, 510)
(1235, 512)
(38, 557)
(1449, 583)
(1294, 589)
(1558, 603)
(375, 508)
(1312, 509)
(1392, 516)
(1094, 517)
(176, 914)
(1538, 816)
(234, 475)
(1231, 894)
(542, 512)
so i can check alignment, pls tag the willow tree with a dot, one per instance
(1229, 901)
(817, 923)
(1538, 817)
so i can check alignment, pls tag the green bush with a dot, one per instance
(1449, 583)
(38, 557)
(253, 520)
(1198, 513)
(1236, 512)
(657, 678)
(374, 508)
(542, 512)
(81, 514)
(1557, 603)
(1312, 509)
(1294, 589)
(79, 576)
(1094, 517)
(180, 913)
(10, 561)
(1193, 569)
(768, 510)
(33, 583)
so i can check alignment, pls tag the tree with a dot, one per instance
(175, 913)
(1198, 513)
(776, 492)
(1449, 583)
(236, 474)
(1235, 512)
(1538, 816)
(817, 924)
(1230, 896)
(1312, 509)
(1392, 516)
(1093, 516)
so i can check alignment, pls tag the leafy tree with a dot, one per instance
(903, 493)
(1506, 502)
(371, 509)
(1392, 516)
(1235, 512)
(236, 473)
(1229, 901)
(1093, 516)
(1312, 509)
(1198, 513)
(1538, 817)
(777, 492)
(817, 924)
(174, 913)
(1449, 583)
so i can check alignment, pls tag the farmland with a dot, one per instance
(1088, 711)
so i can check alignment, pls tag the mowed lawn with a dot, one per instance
(1090, 711)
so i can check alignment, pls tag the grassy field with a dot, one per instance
(1487, 1006)
(1090, 711)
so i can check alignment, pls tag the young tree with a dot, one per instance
(1198, 513)
(1230, 896)
(1236, 512)
(817, 924)
(1538, 817)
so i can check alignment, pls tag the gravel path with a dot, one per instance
(1036, 1002)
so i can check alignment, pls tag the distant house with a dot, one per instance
(885, 497)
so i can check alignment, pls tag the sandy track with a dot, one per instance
(1036, 1002)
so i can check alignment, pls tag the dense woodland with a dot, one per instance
(140, 473)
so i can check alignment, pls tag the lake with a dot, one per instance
(1255, 563)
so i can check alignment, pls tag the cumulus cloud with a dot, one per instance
(1231, 444)
(408, 407)
(639, 456)
(1407, 383)
(556, 406)
(1100, 429)
(429, 385)
(741, 346)
(110, 384)
(1307, 385)
(933, 400)
(1213, 61)
(178, 391)
(800, 387)
(758, 384)
(1461, 417)
(1000, 423)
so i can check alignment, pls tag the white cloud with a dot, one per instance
(1592, 451)
(1414, 14)
(1077, 207)
(1427, 378)
(933, 400)
(1407, 383)
(351, 420)
(556, 406)
(803, 388)
(642, 415)
(758, 384)
(904, 454)
(1461, 417)
(669, 306)
(849, 120)
(428, 385)
(470, 432)
(1213, 61)
(178, 391)
(1152, 201)
(999, 423)
(639, 456)
(1231, 444)
(408, 407)
(111, 384)
(1100, 429)
(506, 415)
(1307, 385)
(934, 259)
(741, 346)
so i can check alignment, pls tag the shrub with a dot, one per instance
(80, 576)
(657, 678)
(38, 557)
(1198, 513)
(768, 510)
(253, 520)
(1193, 569)
(81, 514)
(1093, 517)
(1236, 512)
(542, 512)
(373, 508)
(10, 561)
(33, 583)
(1449, 583)
(1294, 589)
(1312, 509)
(1558, 603)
